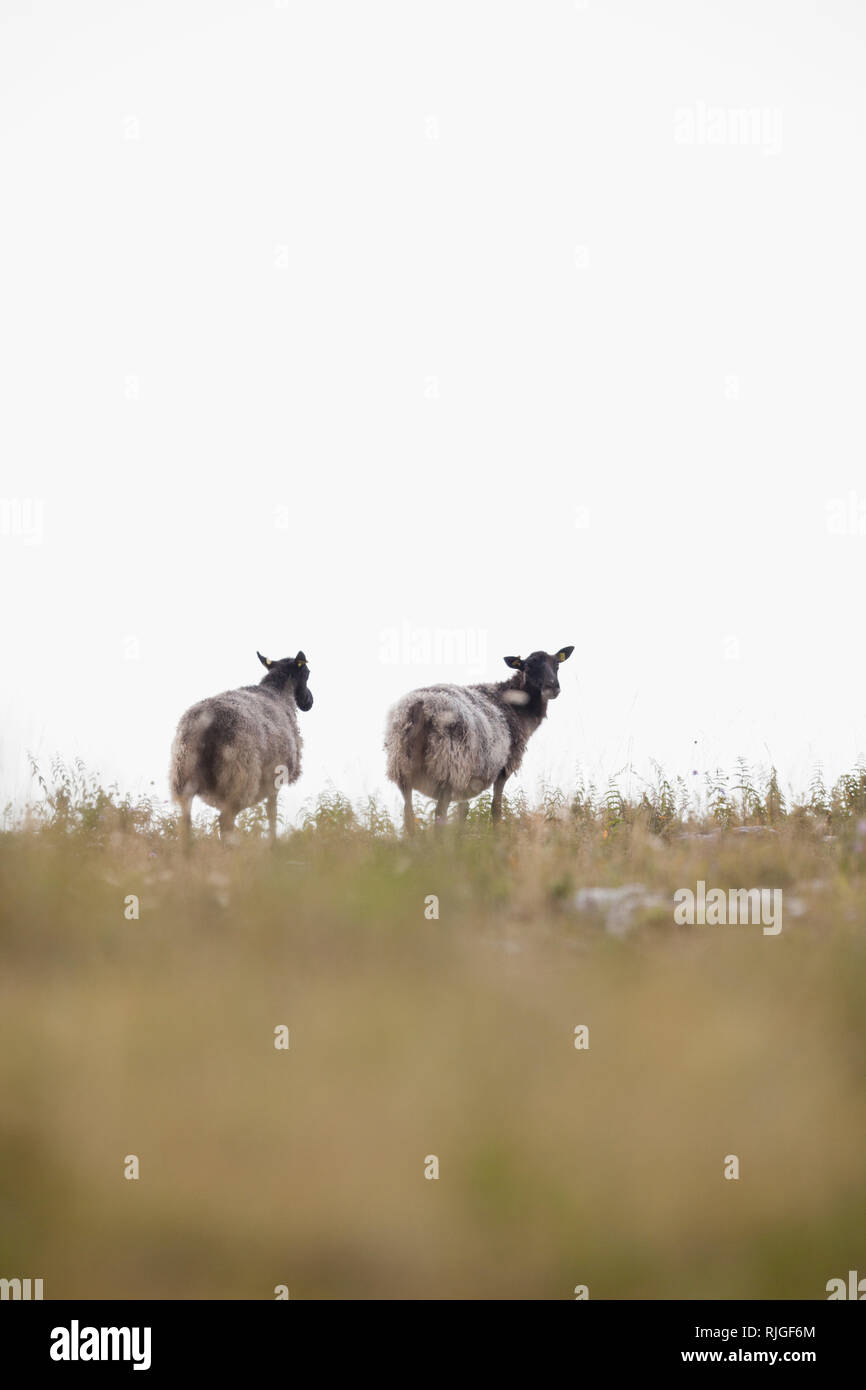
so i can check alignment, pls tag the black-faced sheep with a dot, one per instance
(237, 749)
(451, 742)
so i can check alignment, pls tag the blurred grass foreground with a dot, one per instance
(430, 992)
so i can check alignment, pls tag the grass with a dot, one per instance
(452, 1036)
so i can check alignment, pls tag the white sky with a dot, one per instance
(240, 240)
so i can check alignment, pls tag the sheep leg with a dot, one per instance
(442, 804)
(272, 816)
(462, 811)
(496, 808)
(186, 823)
(227, 824)
(408, 813)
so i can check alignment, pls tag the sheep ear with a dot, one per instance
(300, 659)
(564, 653)
(514, 661)
(264, 660)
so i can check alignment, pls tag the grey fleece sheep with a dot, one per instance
(450, 742)
(239, 748)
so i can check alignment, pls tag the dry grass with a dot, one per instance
(412, 1037)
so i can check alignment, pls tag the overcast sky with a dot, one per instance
(420, 334)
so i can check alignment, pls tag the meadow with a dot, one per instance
(431, 990)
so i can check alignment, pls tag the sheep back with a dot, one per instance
(455, 736)
(228, 748)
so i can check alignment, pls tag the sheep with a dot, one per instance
(236, 749)
(450, 742)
